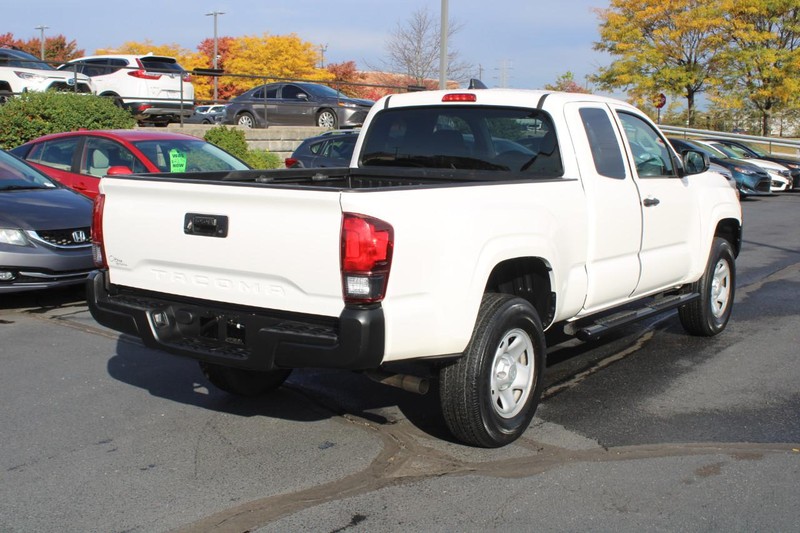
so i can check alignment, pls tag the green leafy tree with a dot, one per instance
(566, 83)
(764, 57)
(662, 46)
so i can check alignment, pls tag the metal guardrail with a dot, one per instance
(768, 142)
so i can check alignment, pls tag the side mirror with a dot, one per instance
(116, 171)
(695, 162)
(302, 96)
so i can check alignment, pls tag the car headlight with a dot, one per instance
(742, 170)
(793, 166)
(30, 76)
(13, 236)
(347, 104)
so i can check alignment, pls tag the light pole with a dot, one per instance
(41, 30)
(443, 48)
(215, 14)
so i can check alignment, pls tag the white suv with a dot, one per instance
(155, 88)
(21, 72)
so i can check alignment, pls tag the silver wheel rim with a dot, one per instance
(512, 375)
(720, 288)
(326, 120)
(245, 121)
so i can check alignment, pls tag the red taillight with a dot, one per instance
(459, 97)
(98, 251)
(187, 78)
(144, 75)
(366, 258)
(290, 162)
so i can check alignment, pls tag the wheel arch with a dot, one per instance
(528, 278)
(730, 230)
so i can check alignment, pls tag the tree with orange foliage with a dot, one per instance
(347, 78)
(56, 49)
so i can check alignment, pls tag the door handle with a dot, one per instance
(650, 202)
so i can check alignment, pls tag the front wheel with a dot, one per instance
(327, 119)
(708, 315)
(245, 120)
(243, 382)
(489, 396)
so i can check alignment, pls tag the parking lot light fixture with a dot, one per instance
(215, 14)
(41, 39)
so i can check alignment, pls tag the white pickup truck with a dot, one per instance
(468, 223)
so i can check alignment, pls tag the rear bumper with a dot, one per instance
(252, 339)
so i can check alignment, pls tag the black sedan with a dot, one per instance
(751, 180)
(45, 237)
(296, 104)
(331, 149)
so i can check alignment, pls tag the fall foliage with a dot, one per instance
(56, 49)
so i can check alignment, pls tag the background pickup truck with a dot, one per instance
(468, 223)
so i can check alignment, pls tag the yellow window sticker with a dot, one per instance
(177, 160)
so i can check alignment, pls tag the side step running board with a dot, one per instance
(596, 328)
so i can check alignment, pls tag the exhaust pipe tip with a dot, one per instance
(407, 382)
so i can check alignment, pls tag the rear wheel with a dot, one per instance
(708, 315)
(243, 382)
(490, 395)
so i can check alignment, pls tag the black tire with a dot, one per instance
(477, 408)
(243, 382)
(327, 118)
(245, 120)
(709, 315)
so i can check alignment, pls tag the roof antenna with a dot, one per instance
(475, 83)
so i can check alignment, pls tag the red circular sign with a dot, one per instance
(660, 100)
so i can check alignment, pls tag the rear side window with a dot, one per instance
(606, 151)
(57, 154)
(455, 137)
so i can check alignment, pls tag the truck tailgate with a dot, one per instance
(252, 245)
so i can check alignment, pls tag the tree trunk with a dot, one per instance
(689, 108)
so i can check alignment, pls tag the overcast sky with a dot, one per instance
(527, 43)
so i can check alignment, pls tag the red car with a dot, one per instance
(78, 159)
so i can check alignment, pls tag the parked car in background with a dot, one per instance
(78, 159)
(296, 104)
(207, 114)
(331, 149)
(751, 180)
(155, 88)
(780, 178)
(752, 151)
(45, 237)
(21, 72)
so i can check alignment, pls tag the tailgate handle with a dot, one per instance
(205, 225)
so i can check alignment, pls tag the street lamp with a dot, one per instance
(215, 14)
(443, 47)
(41, 30)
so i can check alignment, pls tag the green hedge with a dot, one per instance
(32, 115)
(232, 140)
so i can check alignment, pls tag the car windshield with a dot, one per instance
(708, 150)
(20, 59)
(171, 155)
(16, 175)
(324, 91)
(464, 138)
(728, 151)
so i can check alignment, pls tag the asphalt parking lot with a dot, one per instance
(647, 430)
